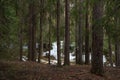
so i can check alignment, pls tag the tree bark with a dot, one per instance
(58, 34)
(110, 51)
(50, 25)
(97, 38)
(87, 35)
(80, 28)
(76, 33)
(117, 45)
(19, 9)
(67, 34)
(41, 30)
(21, 41)
(117, 54)
(32, 32)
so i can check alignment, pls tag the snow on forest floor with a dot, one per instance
(54, 53)
(15, 70)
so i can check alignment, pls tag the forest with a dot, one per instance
(59, 40)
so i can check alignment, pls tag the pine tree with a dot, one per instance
(58, 34)
(97, 38)
(32, 31)
(67, 33)
(87, 34)
(80, 31)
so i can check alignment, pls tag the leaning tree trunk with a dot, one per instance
(67, 34)
(58, 34)
(97, 38)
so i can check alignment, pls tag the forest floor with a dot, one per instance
(15, 70)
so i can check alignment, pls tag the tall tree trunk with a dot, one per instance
(16, 6)
(34, 36)
(117, 54)
(117, 45)
(76, 33)
(80, 28)
(87, 35)
(50, 25)
(97, 38)
(21, 41)
(110, 51)
(67, 34)
(29, 42)
(58, 34)
(32, 32)
(41, 30)
(19, 9)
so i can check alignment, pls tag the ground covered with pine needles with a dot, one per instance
(16, 70)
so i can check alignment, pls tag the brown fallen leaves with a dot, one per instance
(35, 71)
